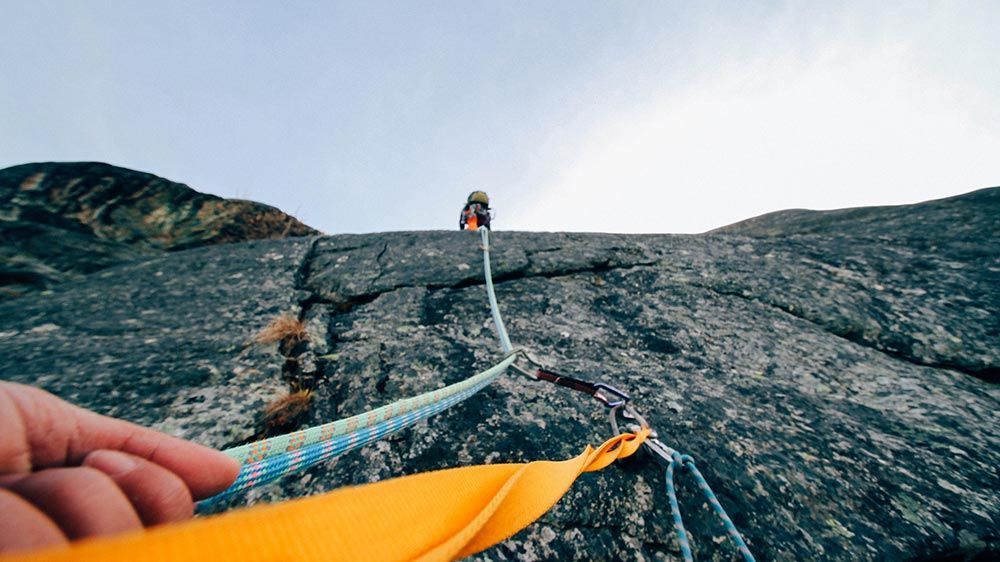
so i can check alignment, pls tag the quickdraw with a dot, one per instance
(619, 404)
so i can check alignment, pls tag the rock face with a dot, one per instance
(956, 222)
(60, 221)
(934, 255)
(837, 389)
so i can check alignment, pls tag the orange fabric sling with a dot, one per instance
(438, 515)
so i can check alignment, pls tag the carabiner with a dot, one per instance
(609, 395)
(653, 443)
(604, 393)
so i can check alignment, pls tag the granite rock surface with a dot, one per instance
(837, 389)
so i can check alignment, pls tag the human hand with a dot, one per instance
(67, 473)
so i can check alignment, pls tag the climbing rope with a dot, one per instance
(679, 461)
(673, 460)
(260, 450)
(267, 460)
(263, 465)
(491, 294)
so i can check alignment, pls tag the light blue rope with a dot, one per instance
(262, 472)
(258, 450)
(491, 294)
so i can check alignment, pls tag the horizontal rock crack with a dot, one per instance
(989, 374)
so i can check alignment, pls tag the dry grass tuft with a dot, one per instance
(286, 412)
(286, 329)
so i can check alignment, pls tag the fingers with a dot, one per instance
(157, 495)
(82, 501)
(15, 453)
(46, 432)
(204, 471)
(24, 526)
(130, 475)
(113, 492)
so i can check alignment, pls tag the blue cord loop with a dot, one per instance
(685, 461)
(676, 461)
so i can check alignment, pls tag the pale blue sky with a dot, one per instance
(587, 116)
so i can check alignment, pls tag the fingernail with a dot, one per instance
(111, 463)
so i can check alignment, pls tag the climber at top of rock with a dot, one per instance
(476, 212)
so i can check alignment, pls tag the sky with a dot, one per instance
(574, 116)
